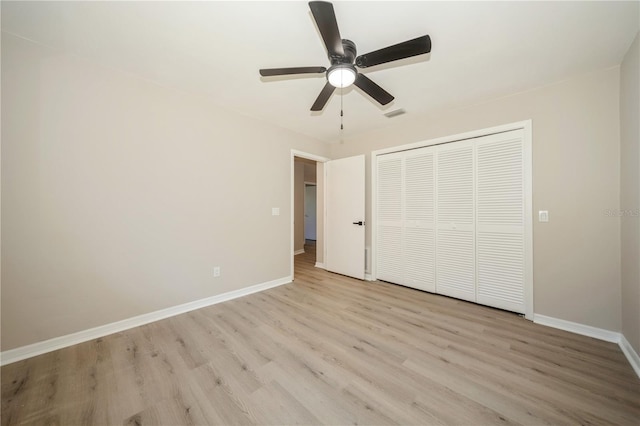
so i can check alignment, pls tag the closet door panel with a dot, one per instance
(419, 219)
(456, 264)
(420, 259)
(389, 258)
(455, 238)
(420, 186)
(500, 270)
(500, 221)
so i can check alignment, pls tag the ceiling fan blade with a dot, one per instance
(370, 88)
(323, 97)
(270, 72)
(325, 18)
(407, 49)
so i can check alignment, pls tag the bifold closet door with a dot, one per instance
(455, 238)
(500, 221)
(451, 219)
(419, 238)
(406, 218)
(389, 258)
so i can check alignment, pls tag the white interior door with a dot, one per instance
(345, 216)
(310, 212)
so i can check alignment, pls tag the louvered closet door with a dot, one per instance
(389, 259)
(500, 241)
(455, 239)
(419, 219)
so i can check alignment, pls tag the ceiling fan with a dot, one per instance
(342, 54)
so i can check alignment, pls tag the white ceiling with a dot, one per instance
(481, 50)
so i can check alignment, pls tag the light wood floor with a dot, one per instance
(329, 350)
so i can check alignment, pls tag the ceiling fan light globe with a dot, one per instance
(341, 76)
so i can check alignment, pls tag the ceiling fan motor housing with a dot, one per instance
(350, 53)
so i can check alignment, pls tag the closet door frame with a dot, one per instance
(526, 126)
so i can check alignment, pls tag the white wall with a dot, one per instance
(120, 196)
(630, 192)
(576, 150)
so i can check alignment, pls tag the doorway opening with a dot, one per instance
(307, 210)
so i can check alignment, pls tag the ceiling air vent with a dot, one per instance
(395, 113)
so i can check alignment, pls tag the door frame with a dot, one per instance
(526, 126)
(319, 159)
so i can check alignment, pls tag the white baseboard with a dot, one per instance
(630, 353)
(297, 252)
(368, 277)
(597, 333)
(320, 265)
(574, 327)
(18, 354)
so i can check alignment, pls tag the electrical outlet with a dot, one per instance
(543, 216)
(216, 271)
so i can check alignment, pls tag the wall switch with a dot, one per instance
(543, 216)
(216, 271)
(275, 211)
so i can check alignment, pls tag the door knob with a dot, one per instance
(360, 223)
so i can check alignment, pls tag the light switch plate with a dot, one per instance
(275, 211)
(543, 216)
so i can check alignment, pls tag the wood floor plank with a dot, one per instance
(328, 349)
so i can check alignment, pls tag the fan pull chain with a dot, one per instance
(341, 116)
(341, 109)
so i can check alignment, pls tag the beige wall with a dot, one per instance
(630, 192)
(120, 196)
(310, 172)
(298, 206)
(576, 156)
